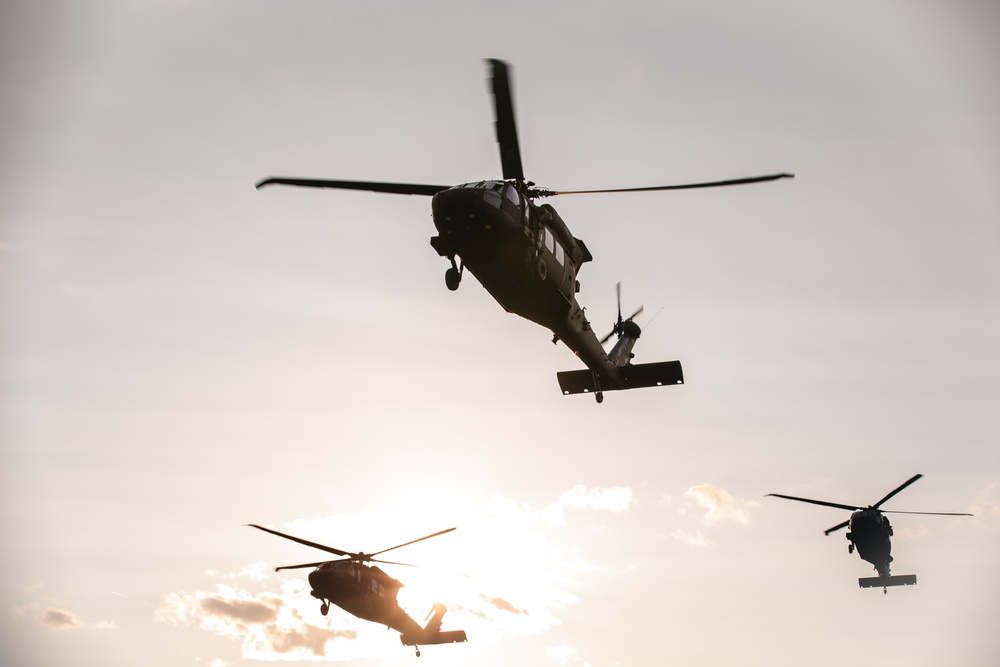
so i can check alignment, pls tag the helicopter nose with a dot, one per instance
(464, 208)
(317, 578)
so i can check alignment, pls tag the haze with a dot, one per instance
(181, 355)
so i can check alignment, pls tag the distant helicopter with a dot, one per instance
(526, 257)
(870, 532)
(369, 593)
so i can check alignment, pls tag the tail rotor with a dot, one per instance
(619, 326)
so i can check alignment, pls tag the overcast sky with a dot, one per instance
(181, 354)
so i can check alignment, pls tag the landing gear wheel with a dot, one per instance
(452, 278)
(850, 548)
(418, 651)
(599, 396)
(324, 609)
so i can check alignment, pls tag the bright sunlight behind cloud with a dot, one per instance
(518, 571)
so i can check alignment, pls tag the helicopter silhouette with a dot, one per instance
(526, 257)
(367, 592)
(870, 533)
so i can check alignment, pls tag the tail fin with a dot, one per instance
(431, 633)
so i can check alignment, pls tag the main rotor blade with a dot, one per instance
(301, 565)
(634, 315)
(688, 186)
(321, 547)
(929, 513)
(837, 527)
(849, 508)
(618, 298)
(897, 490)
(392, 562)
(510, 151)
(370, 186)
(421, 539)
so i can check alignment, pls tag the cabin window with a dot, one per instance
(560, 253)
(493, 198)
(549, 240)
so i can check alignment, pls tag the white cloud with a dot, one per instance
(563, 654)
(256, 571)
(987, 511)
(719, 505)
(613, 498)
(697, 539)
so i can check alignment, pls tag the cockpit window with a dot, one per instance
(511, 193)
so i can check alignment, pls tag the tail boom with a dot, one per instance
(431, 633)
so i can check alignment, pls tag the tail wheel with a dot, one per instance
(324, 609)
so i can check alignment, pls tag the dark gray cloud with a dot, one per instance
(266, 625)
(503, 605)
(244, 611)
(60, 619)
(310, 637)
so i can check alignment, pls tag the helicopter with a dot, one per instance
(526, 257)
(367, 592)
(870, 532)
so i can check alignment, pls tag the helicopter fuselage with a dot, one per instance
(527, 259)
(363, 591)
(870, 531)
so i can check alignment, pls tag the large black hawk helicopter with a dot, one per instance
(526, 257)
(369, 593)
(870, 532)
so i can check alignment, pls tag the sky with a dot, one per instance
(181, 355)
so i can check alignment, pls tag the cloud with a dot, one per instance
(697, 539)
(613, 498)
(310, 638)
(58, 619)
(719, 505)
(987, 511)
(268, 627)
(256, 571)
(61, 619)
(243, 611)
(563, 654)
(503, 605)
